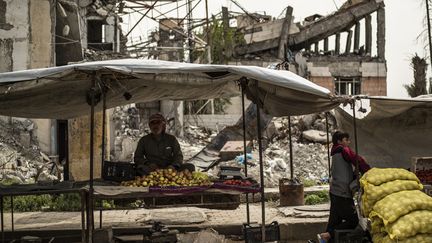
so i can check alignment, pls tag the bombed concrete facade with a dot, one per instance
(333, 51)
(46, 33)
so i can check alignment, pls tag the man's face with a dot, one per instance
(156, 127)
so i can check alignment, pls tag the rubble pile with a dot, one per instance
(194, 140)
(21, 160)
(310, 159)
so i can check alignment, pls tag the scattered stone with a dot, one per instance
(315, 136)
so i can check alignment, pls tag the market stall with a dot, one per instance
(76, 90)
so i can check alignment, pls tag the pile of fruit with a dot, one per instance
(238, 182)
(170, 177)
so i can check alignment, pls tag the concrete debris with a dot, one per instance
(21, 160)
(310, 161)
(316, 136)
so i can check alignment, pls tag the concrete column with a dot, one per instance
(316, 47)
(337, 43)
(348, 42)
(368, 22)
(357, 37)
(326, 44)
(381, 33)
(283, 40)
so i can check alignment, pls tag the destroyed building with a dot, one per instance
(45, 33)
(313, 48)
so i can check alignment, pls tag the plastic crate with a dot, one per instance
(118, 171)
(252, 232)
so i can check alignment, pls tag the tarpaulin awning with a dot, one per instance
(61, 92)
(394, 131)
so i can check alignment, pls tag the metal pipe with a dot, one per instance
(12, 215)
(1, 218)
(208, 32)
(261, 174)
(291, 148)
(328, 144)
(243, 87)
(103, 127)
(145, 14)
(83, 226)
(100, 216)
(90, 195)
(355, 140)
(429, 30)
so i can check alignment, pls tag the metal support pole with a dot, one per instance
(90, 194)
(429, 30)
(328, 144)
(12, 215)
(356, 142)
(243, 87)
(261, 173)
(291, 148)
(83, 224)
(100, 216)
(103, 127)
(1, 218)
(209, 56)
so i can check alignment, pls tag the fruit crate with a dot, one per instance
(422, 167)
(118, 171)
(252, 232)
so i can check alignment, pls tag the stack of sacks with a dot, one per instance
(397, 208)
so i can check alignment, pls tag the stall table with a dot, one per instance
(34, 189)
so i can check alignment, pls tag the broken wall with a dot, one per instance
(26, 41)
(373, 75)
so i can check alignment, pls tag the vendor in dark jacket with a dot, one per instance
(159, 150)
(342, 210)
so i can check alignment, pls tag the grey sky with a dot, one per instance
(404, 22)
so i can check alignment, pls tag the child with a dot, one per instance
(342, 210)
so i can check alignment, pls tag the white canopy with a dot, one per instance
(61, 92)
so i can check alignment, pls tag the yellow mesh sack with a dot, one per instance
(379, 237)
(395, 205)
(377, 226)
(417, 222)
(419, 238)
(372, 193)
(378, 176)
